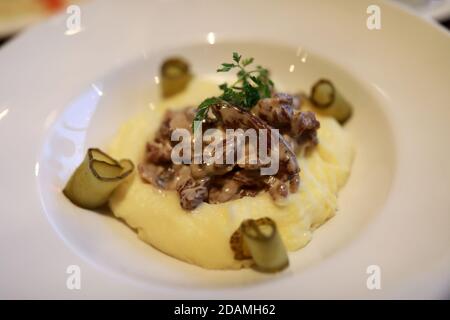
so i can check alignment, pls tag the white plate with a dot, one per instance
(60, 94)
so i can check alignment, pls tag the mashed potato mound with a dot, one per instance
(202, 236)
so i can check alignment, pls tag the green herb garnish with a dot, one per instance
(245, 92)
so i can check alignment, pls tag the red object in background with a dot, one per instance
(53, 5)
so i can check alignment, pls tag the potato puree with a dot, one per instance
(202, 236)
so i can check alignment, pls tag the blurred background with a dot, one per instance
(17, 15)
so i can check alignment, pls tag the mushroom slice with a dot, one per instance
(92, 183)
(237, 118)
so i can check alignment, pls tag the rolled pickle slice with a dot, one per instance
(325, 97)
(175, 76)
(93, 182)
(260, 240)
